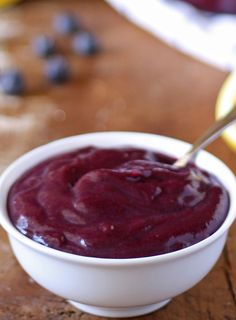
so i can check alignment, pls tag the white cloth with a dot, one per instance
(206, 36)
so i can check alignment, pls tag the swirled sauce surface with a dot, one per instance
(116, 203)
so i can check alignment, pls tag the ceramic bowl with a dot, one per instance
(116, 287)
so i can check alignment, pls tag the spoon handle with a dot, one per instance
(211, 134)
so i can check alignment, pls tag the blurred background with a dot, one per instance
(74, 66)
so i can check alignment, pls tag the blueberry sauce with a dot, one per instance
(116, 203)
(218, 6)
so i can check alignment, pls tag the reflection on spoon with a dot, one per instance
(210, 135)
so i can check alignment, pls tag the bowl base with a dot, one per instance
(119, 312)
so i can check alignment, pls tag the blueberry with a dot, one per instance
(44, 46)
(85, 43)
(12, 82)
(66, 23)
(57, 70)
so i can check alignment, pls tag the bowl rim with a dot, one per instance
(16, 234)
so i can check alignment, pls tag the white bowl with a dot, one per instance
(116, 287)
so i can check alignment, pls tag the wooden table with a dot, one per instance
(137, 83)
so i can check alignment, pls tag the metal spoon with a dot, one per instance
(211, 134)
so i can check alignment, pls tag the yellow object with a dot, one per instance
(224, 103)
(5, 3)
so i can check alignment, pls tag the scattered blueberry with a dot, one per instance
(85, 43)
(44, 46)
(12, 82)
(57, 70)
(66, 23)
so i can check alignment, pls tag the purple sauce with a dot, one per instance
(116, 203)
(218, 6)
